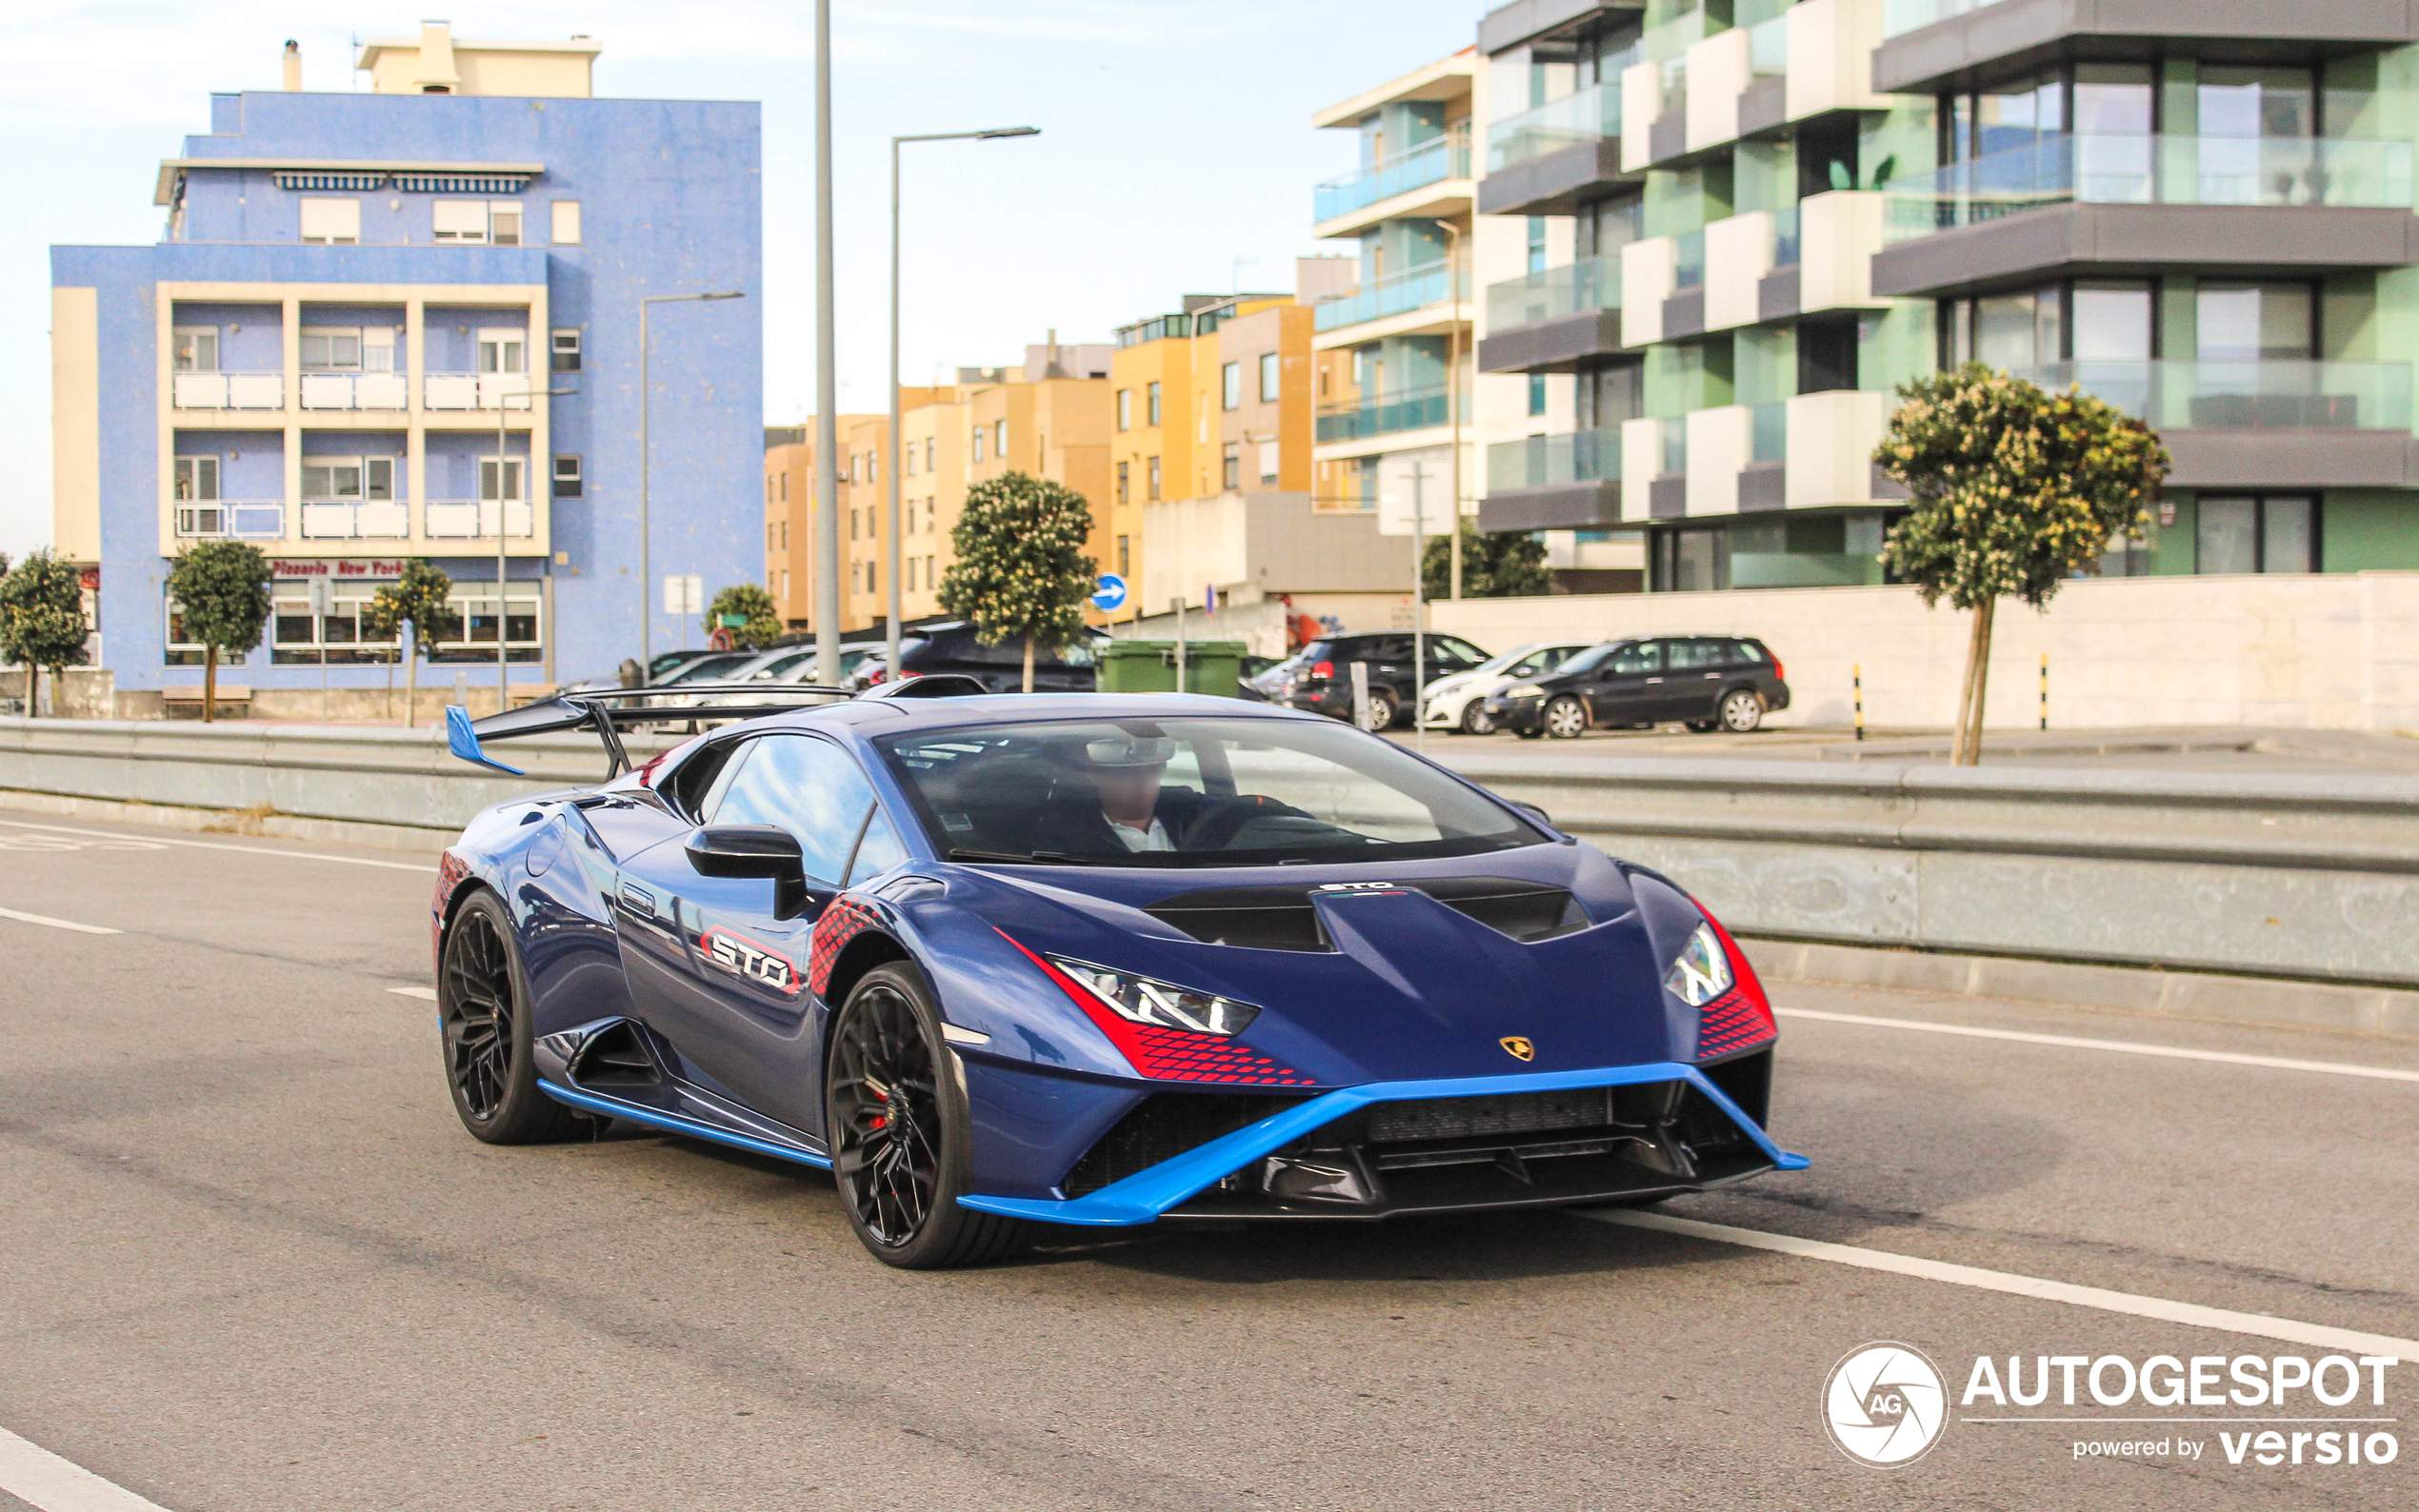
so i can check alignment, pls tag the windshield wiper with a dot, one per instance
(1047, 858)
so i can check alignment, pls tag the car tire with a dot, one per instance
(1379, 715)
(1703, 727)
(1566, 718)
(483, 1027)
(1474, 720)
(1742, 710)
(900, 1132)
(1538, 733)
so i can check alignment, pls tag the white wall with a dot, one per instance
(2333, 651)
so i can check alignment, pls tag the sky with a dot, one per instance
(1177, 154)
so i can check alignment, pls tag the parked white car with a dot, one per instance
(1459, 702)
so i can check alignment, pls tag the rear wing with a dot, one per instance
(609, 711)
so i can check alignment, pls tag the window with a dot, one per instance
(567, 223)
(1230, 385)
(1150, 406)
(1124, 409)
(469, 634)
(504, 224)
(1125, 559)
(1537, 393)
(2254, 321)
(910, 460)
(335, 478)
(565, 346)
(999, 438)
(297, 639)
(504, 351)
(458, 221)
(328, 350)
(512, 468)
(1536, 244)
(853, 522)
(331, 223)
(2111, 322)
(2256, 535)
(183, 650)
(812, 789)
(932, 449)
(978, 443)
(1230, 464)
(567, 477)
(1154, 478)
(1125, 483)
(1269, 461)
(1271, 377)
(197, 480)
(195, 348)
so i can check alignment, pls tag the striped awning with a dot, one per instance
(302, 180)
(462, 183)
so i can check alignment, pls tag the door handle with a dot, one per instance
(634, 896)
(1654, 680)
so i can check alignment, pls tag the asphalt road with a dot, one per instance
(249, 1260)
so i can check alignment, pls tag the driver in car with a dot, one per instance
(1138, 813)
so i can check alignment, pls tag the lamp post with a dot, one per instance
(503, 497)
(646, 401)
(898, 446)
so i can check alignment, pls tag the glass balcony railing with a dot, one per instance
(1544, 461)
(2270, 171)
(227, 390)
(1591, 285)
(1767, 48)
(209, 519)
(1394, 295)
(1672, 441)
(1672, 38)
(1430, 162)
(1788, 245)
(1907, 15)
(1592, 114)
(1687, 260)
(1386, 415)
(2261, 395)
(1767, 432)
(355, 519)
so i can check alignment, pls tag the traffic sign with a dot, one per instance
(1111, 596)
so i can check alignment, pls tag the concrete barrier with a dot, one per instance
(2307, 877)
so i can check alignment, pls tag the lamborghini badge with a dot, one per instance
(1518, 1047)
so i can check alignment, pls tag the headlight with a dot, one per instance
(1701, 972)
(1159, 1003)
(1523, 690)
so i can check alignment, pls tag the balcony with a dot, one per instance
(1901, 16)
(1414, 288)
(456, 520)
(355, 519)
(2262, 424)
(468, 392)
(1553, 321)
(223, 519)
(1442, 160)
(1931, 45)
(355, 390)
(1553, 483)
(227, 390)
(1583, 119)
(1386, 415)
(2148, 201)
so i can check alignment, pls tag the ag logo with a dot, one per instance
(1885, 1405)
(739, 954)
(1519, 1047)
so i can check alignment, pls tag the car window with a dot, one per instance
(1689, 656)
(1454, 652)
(1746, 654)
(1640, 657)
(1386, 648)
(879, 851)
(1587, 661)
(1545, 659)
(810, 788)
(708, 668)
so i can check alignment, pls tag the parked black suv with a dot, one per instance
(925, 649)
(1705, 682)
(1323, 675)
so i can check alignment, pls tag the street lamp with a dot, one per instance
(898, 446)
(528, 493)
(645, 399)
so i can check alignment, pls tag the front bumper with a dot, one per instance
(1210, 1180)
(1517, 713)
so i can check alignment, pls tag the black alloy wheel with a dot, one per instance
(482, 1018)
(896, 1117)
(1742, 710)
(1567, 717)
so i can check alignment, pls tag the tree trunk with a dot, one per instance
(1982, 677)
(1029, 664)
(33, 691)
(1966, 693)
(412, 680)
(210, 683)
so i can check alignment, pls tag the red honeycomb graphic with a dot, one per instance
(841, 923)
(1172, 1055)
(451, 872)
(1733, 1022)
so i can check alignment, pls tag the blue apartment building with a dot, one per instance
(354, 299)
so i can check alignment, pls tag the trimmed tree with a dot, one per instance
(1504, 565)
(754, 605)
(2015, 490)
(223, 588)
(417, 599)
(42, 620)
(1021, 570)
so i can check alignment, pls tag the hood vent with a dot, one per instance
(1258, 918)
(1525, 910)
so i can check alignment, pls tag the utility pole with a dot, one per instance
(1452, 400)
(827, 371)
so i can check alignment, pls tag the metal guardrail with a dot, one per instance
(2313, 876)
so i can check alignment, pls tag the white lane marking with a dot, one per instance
(56, 924)
(35, 1476)
(2191, 1314)
(241, 850)
(2383, 1073)
(423, 994)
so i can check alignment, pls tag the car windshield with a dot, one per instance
(1589, 658)
(1189, 792)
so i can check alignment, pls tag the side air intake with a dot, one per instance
(1259, 918)
(1525, 910)
(617, 1056)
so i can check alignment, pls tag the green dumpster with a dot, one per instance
(1150, 666)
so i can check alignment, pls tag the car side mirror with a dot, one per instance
(755, 851)
(1533, 811)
